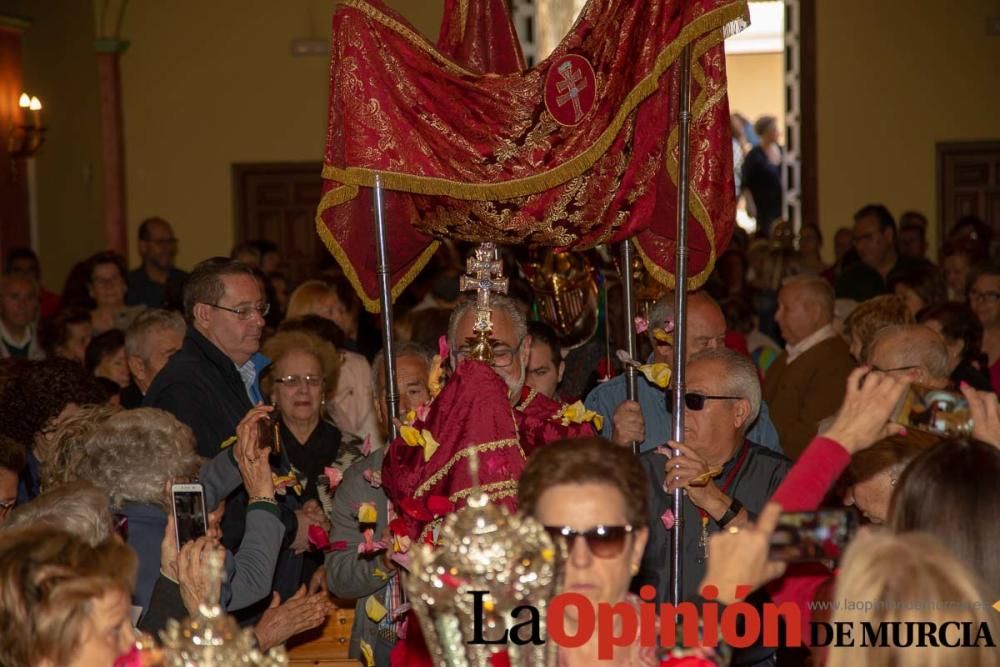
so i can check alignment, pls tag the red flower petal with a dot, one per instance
(397, 526)
(415, 510)
(439, 505)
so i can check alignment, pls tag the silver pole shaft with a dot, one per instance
(385, 302)
(630, 342)
(680, 318)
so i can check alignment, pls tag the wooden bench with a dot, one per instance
(325, 646)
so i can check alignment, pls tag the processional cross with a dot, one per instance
(486, 277)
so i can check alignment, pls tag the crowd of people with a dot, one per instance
(272, 396)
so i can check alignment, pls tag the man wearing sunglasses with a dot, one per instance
(726, 477)
(649, 420)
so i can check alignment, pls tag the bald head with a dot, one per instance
(706, 325)
(911, 347)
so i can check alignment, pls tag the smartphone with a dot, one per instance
(190, 518)
(937, 411)
(821, 536)
(269, 434)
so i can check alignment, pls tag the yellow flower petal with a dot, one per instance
(227, 442)
(367, 513)
(430, 444)
(367, 654)
(410, 417)
(598, 422)
(410, 435)
(661, 335)
(381, 574)
(375, 609)
(658, 374)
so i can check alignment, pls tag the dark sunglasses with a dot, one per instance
(603, 541)
(696, 402)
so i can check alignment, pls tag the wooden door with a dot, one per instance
(968, 183)
(277, 202)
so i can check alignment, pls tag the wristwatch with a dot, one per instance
(734, 509)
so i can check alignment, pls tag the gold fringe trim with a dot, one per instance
(495, 490)
(532, 393)
(370, 304)
(522, 187)
(732, 19)
(465, 453)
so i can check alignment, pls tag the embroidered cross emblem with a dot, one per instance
(570, 87)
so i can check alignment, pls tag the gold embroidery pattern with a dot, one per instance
(463, 454)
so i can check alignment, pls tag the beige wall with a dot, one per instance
(207, 84)
(60, 67)
(893, 80)
(756, 85)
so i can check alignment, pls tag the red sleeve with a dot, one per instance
(803, 490)
(808, 481)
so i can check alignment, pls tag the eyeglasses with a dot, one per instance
(603, 541)
(503, 356)
(295, 381)
(976, 295)
(694, 401)
(244, 312)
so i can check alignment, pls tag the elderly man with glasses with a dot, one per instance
(211, 383)
(533, 411)
(727, 479)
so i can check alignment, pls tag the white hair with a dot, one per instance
(148, 321)
(740, 378)
(135, 453)
(77, 507)
(497, 304)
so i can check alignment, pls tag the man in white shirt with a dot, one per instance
(18, 310)
(806, 382)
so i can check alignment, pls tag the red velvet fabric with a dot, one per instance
(472, 413)
(536, 426)
(479, 34)
(478, 157)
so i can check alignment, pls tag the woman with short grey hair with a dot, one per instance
(76, 507)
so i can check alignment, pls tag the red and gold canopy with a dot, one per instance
(578, 150)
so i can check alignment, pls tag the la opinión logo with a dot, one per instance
(739, 625)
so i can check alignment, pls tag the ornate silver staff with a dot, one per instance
(385, 303)
(680, 317)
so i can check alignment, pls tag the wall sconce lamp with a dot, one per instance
(27, 137)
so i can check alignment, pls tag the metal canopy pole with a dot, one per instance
(630, 341)
(385, 302)
(680, 318)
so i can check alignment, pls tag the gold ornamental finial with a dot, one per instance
(486, 271)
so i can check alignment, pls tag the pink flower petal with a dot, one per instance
(366, 447)
(402, 560)
(443, 347)
(373, 477)
(641, 324)
(422, 411)
(334, 475)
(667, 519)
